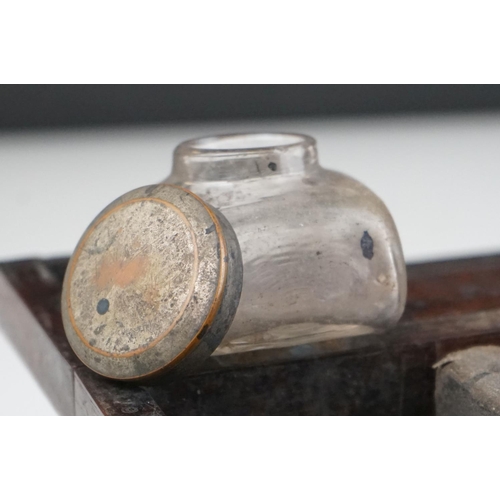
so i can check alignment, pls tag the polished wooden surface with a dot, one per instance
(451, 305)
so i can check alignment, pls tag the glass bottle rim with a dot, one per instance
(242, 142)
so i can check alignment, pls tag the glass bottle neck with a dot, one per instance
(243, 156)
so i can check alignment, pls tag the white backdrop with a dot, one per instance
(439, 176)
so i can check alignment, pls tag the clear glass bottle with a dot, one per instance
(321, 254)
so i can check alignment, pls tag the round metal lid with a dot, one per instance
(153, 284)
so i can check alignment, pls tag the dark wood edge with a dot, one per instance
(71, 387)
(451, 305)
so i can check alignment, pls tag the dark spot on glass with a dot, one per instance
(367, 246)
(210, 229)
(272, 166)
(103, 306)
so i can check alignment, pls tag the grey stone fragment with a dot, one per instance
(468, 382)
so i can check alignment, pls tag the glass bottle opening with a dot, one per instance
(243, 156)
(243, 142)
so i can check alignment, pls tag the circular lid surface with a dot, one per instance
(153, 283)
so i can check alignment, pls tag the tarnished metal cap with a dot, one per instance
(153, 284)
